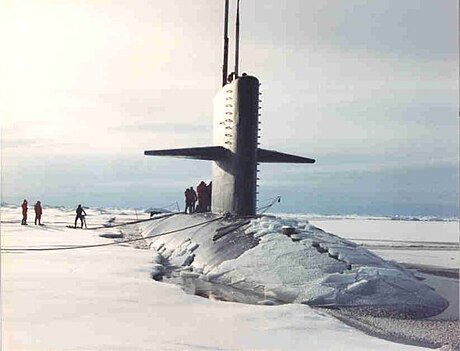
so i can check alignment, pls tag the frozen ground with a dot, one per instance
(428, 242)
(311, 267)
(103, 299)
(422, 246)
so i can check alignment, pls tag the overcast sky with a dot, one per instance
(369, 89)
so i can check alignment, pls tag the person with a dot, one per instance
(201, 192)
(193, 198)
(231, 77)
(80, 215)
(38, 212)
(24, 212)
(209, 195)
(188, 201)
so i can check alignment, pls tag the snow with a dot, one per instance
(336, 273)
(104, 298)
(433, 243)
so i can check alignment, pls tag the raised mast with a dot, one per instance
(225, 64)
(237, 38)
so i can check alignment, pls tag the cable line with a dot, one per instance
(127, 223)
(265, 208)
(114, 243)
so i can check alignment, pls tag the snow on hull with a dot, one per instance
(310, 266)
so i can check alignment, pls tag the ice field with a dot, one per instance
(103, 298)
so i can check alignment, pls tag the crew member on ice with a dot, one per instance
(188, 201)
(24, 212)
(193, 197)
(38, 212)
(201, 189)
(80, 215)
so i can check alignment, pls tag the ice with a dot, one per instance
(156, 257)
(156, 210)
(337, 218)
(157, 271)
(188, 260)
(180, 256)
(105, 299)
(188, 274)
(323, 269)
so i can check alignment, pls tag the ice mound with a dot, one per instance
(309, 266)
(318, 268)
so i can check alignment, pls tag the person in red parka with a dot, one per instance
(202, 191)
(38, 212)
(24, 212)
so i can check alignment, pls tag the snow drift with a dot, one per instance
(310, 266)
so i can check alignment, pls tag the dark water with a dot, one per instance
(220, 292)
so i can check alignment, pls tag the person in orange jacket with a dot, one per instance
(38, 212)
(24, 212)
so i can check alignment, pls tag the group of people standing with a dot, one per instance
(38, 212)
(202, 195)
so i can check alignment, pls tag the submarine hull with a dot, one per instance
(307, 266)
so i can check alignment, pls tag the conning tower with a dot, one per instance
(235, 152)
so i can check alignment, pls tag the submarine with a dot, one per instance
(235, 153)
(273, 260)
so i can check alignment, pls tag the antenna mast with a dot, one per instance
(237, 37)
(225, 65)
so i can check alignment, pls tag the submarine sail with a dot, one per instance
(235, 152)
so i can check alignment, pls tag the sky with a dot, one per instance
(368, 89)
